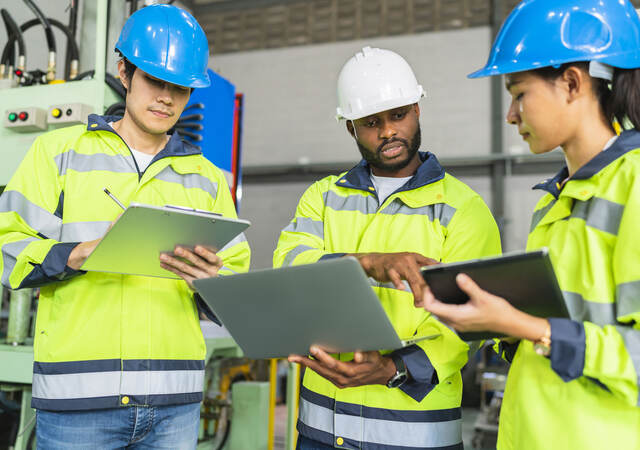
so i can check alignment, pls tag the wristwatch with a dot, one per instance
(543, 345)
(401, 375)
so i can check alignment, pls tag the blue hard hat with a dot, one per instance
(168, 43)
(541, 33)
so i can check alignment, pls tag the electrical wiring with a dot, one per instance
(51, 40)
(74, 53)
(111, 81)
(14, 33)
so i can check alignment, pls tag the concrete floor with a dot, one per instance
(469, 416)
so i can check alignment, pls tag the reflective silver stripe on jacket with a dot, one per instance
(539, 214)
(235, 241)
(399, 434)
(631, 339)
(103, 384)
(35, 216)
(10, 252)
(585, 310)
(294, 252)
(366, 204)
(599, 213)
(188, 180)
(441, 211)
(83, 231)
(306, 225)
(628, 298)
(82, 162)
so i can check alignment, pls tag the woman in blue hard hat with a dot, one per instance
(119, 359)
(571, 68)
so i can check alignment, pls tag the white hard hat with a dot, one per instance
(373, 81)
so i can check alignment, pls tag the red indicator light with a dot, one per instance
(23, 116)
(19, 72)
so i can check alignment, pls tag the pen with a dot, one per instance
(113, 197)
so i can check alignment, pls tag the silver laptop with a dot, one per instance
(273, 313)
(134, 244)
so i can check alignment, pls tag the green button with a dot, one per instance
(13, 117)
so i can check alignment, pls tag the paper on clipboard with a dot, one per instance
(134, 244)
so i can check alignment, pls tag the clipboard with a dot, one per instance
(272, 313)
(524, 279)
(134, 243)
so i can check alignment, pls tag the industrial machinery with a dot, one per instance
(34, 101)
(491, 375)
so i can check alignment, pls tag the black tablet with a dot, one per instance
(524, 279)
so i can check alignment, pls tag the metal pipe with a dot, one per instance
(498, 199)
(273, 380)
(194, 136)
(102, 11)
(73, 28)
(19, 315)
(293, 398)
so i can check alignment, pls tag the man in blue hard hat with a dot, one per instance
(119, 359)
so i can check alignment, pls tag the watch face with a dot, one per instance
(398, 380)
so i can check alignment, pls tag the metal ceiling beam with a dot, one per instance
(482, 166)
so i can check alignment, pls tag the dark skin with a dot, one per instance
(366, 368)
(385, 141)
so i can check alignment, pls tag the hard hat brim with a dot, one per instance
(623, 60)
(380, 107)
(194, 81)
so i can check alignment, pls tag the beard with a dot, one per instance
(374, 159)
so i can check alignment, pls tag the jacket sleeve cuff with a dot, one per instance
(204, 309)
(422, 375)
(568, 345)
(331, 256)
(53, 268)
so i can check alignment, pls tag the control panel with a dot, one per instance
(68, 114)
(26, 119)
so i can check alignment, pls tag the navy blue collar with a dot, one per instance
(359, 177)
(627, 141)
(176, 146)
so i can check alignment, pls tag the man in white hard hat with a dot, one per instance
(395, 211)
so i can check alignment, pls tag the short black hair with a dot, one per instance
(129, 69)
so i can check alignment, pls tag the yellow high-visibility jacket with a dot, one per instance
(433, 214)
(586, 394)
(106, 340)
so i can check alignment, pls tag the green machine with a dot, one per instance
(27, 112)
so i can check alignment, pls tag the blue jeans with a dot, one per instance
(135, 427)
(305, 443)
